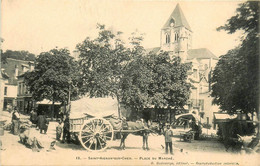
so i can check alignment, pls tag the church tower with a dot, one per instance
(176, 34)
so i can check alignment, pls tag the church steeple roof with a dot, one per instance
(178, 17)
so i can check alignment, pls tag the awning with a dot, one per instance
(220, 117)
(188, 116)
(47, 102)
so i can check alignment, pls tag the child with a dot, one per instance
(59, 130)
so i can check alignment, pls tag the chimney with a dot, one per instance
(31, 67)
(15, 71)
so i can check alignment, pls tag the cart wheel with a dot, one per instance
(95, 134)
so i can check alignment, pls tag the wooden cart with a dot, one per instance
(92, 126)
(187, 136)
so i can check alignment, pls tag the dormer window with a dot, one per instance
(172, 23)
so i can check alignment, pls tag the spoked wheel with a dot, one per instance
(95, 134)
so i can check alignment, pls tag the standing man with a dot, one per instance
(66, 130)
(161, 127)
(168, 134)
(59, 130)
(42, 123)
(46, 125)
(9, 108)
(33, 116)
(61, 112)
(15, 121)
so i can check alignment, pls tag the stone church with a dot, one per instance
(176, 38)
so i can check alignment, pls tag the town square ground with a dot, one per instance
(202, 152)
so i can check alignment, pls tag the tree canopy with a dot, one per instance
(19, 55)
(55, 74)
(102, 61)
(136, 78)
(246, 19)
(156, 81)
(235, 78)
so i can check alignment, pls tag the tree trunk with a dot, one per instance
(174, 112)
(258, 126)
(170, 115)
(52, 110)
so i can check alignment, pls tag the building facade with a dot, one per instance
(24, 98)
(2, 78)
(12, 89)
(176, 38)
(3, 90)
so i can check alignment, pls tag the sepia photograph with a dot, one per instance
(129, 82)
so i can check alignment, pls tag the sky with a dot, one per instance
(41, 25)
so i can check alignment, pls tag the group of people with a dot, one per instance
(41, 121)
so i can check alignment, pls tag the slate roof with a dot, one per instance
(4, 74)
(154, 50)
(201, 53)
(179, 18)
(9, 69)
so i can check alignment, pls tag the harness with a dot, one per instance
(124, 125)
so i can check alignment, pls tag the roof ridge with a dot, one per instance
(20, 60)
(201, 53)
(179, 18)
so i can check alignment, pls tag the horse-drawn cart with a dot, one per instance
(89, 121)
(95, 122)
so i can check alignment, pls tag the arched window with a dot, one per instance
(168, 39)
(176, 36)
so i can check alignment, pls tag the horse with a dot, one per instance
(139, 128)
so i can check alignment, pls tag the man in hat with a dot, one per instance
(168, 133)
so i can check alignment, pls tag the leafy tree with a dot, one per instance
(56, 75)
(20, 55)
(135, 78)
(156, 80)
(246, 19)
(235, 78)
(3, 58)
(134, 94)
(223, 89)
(102, 61)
